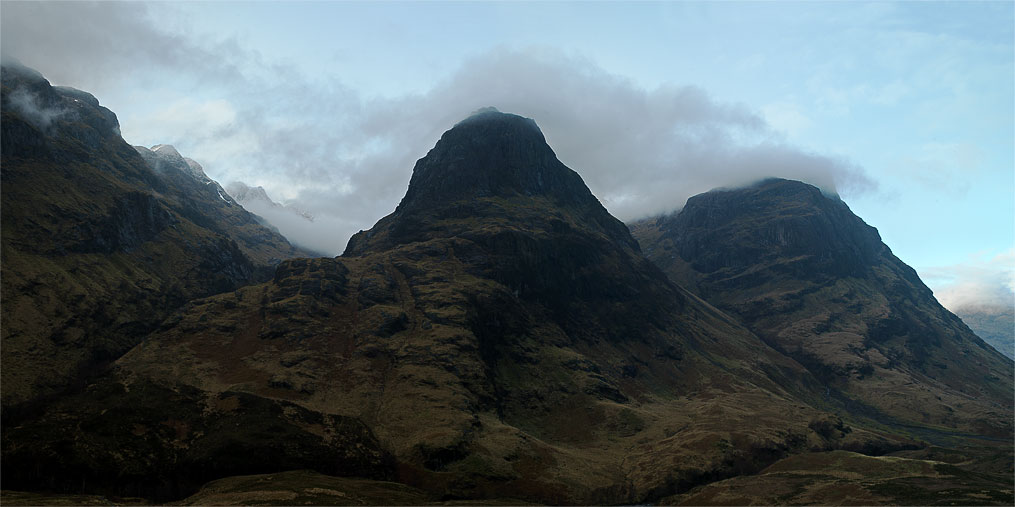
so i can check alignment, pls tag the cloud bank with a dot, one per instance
(94, 45)
(984, 283)
(347, 158)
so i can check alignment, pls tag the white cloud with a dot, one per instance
(640, 151)
(92, 44)
(984, 281)
(348, 158)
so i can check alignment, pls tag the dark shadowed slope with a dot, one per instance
(99, 246)
(815, 282)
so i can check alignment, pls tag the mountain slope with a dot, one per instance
(206, 203)
(815, 282)
(98, 246)
(498, 336)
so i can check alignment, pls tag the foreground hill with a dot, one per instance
(816, 283)
(499, 335)
(846, 478)
(98, 244)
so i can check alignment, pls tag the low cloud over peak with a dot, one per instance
(320, 145)
(640, 151)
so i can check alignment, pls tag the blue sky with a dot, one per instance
(906, 108)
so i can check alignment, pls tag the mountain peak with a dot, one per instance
(490, 117)
(163, 156)
(490, 168)
(799, 190)
(243, 192)
(167, 151)
(771, 220)
(491, 154)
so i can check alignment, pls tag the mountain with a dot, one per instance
(289, 219)
(211, 206)
(499, 335)
(256, 200)
(815, 282)
(995, 323)
(101, 243)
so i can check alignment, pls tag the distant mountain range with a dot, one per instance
(500, 337)
(995, 323)
(254, 198)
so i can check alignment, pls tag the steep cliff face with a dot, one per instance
(816, 282)
(499, 334)
(97, 246)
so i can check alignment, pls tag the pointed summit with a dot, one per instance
(491, 168)
(492, 154)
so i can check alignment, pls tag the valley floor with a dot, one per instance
(932, 476)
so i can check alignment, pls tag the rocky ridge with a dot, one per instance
(98, 246)
(815, 282)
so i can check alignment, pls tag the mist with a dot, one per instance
(27, 104)
(299, 229)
